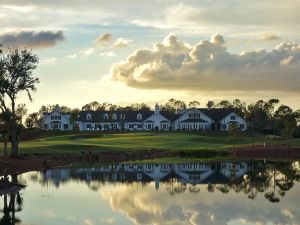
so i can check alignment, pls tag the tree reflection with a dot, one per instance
(195, 188)
(253, 178)
(12, 203)
(174, 186)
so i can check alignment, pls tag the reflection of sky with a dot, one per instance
(75, 203)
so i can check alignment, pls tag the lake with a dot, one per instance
(233, 193)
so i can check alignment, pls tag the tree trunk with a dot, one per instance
(14, 143)
(5, 144)
(253, 139)
(14, 132)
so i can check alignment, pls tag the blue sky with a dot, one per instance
(158, 50)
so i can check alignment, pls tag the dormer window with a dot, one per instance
(232, 117)
(139, 116)
(114, 116)
(122, 116)
(106, 116)
(88, 116)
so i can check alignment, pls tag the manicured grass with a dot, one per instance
(76, 143)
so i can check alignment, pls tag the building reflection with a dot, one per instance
(273, 179)
(185, 173)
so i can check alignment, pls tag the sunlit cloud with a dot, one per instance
(122, 42)
(209, 66)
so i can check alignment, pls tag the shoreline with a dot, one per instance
(26, 163)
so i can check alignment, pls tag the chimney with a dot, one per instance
(157, 109)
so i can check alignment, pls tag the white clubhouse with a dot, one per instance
(201, 119)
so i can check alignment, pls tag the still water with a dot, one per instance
(234, 193)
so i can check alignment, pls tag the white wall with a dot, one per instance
(238, 119)
(185, 116)
(65, 119)
(157, 118)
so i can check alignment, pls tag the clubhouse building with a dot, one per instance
(201, 119)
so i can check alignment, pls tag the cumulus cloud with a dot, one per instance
(209, 66)
(269, 37)
(32, 39)
(104, 38)
(122, 42)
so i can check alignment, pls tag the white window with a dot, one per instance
(114, 116)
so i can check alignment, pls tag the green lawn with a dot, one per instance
(75, 143)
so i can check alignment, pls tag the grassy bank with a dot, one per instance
(138, 141)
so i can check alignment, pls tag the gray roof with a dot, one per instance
(98, 116)
(216, 114)
(130, 116)
(194, 121)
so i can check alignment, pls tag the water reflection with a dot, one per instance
(272, 178)
(186, 193)
(12, 200)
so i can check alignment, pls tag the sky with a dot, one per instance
(125, 51)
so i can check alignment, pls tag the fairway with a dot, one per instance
(137, 141)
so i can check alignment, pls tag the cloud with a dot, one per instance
(108, 54)
(47, 214)
(32, 39)
(269, 37)
(49, 61)
(146, 205)
(88, 52)
(108, 220)
(209, 66)
(231, 16)
(104, 38)
(71, 56)
(88, 222)
(122, 42)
